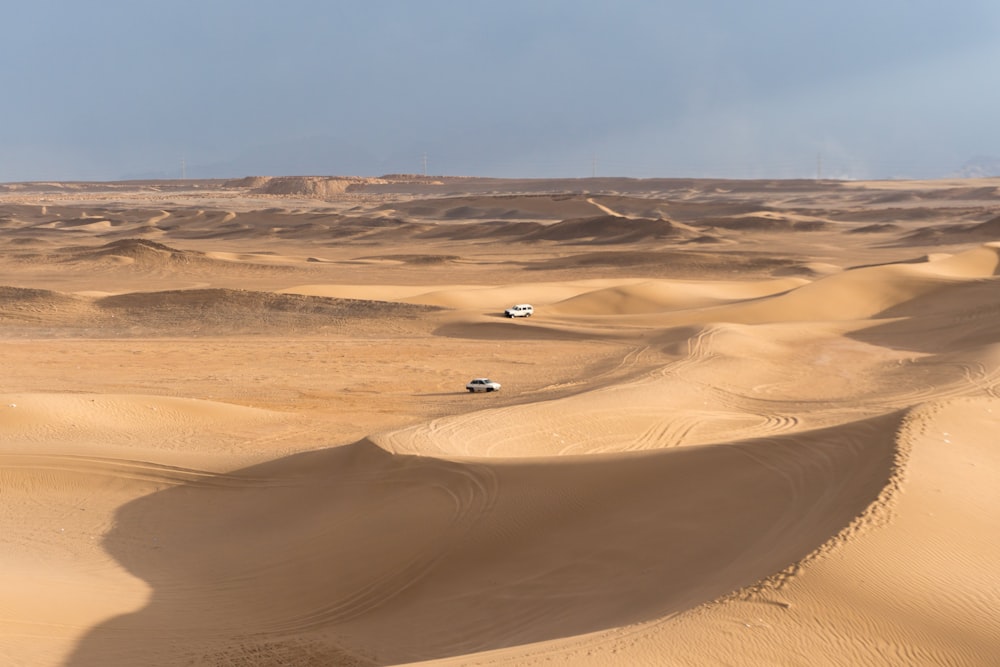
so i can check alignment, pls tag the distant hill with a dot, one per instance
(981, 166)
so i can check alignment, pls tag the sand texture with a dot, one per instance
(750, 423)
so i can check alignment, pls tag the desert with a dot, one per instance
(749, 422)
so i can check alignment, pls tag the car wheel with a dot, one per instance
(470, 389)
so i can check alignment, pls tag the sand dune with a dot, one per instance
(866, 292)
(192, 311)
(656, 296)
(749, 423)
(492, 299)
(440, 525)
(610, 229)
(46, 426)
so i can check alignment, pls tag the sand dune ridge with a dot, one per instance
(750, 422)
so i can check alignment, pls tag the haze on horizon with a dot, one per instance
(642, 88)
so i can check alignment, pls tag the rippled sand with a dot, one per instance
(751, 422)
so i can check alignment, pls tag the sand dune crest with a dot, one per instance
(485, 567)
(750, 422)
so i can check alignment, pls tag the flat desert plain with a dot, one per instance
(750, 422)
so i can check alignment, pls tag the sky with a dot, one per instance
(854, 89)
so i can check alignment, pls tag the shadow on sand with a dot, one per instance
(355, 556)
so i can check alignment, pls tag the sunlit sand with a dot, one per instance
(750, 422)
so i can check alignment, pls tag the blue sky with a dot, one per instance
(117, 89)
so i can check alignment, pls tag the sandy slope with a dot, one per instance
(750, 423)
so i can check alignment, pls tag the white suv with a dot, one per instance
(483, 384)
(520, 310)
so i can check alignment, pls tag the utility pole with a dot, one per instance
(819, 166)
(425, 164)
(183, 169)
(593, 166)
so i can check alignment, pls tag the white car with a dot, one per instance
(520, 310)
(483, 384)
